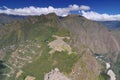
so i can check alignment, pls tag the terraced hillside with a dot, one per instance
(25, 50)
(42, 47)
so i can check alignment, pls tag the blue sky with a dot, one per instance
(101, 6)
(98, 7)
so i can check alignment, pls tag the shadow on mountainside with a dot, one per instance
(2, 66)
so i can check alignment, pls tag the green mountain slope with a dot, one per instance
(32, 47)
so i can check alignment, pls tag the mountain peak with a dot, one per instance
(73, 15)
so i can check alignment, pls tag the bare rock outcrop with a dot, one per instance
(55, 75)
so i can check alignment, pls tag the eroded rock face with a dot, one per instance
(91, 34)
(55, 75)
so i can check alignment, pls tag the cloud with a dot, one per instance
(83, 7)
(43, 10)
(76, 7)
(100, 17)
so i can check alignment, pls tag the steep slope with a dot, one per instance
(32, 47)
(93, 36)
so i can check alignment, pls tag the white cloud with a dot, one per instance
(74, 7)
(43, 10)
(31, 10)
(83, 7)
(100, 17)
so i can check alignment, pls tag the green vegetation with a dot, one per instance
(8, 39)
(46, 62)
(117, 67)
(2, 67)
(38, 30)
(64, 61)
(103, 76)
(7, 56)
(31, 37)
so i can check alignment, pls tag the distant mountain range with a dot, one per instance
(4, 18)
(111, 24)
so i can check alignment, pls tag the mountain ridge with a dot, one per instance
(86, 39)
